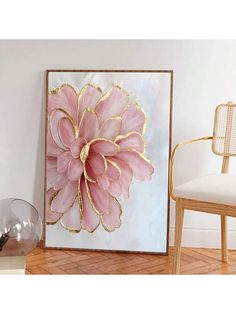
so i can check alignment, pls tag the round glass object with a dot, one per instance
(20, 227)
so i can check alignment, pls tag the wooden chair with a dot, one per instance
(213, 193)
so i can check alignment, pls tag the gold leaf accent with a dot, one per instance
(58, 89)
(69, 229)
(123, 136)
(84, 153)
(105, 161)
(108, 92)
(145, 116)
(50, 201)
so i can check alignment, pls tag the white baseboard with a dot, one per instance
(203, 238)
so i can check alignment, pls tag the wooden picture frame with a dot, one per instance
(78, 78)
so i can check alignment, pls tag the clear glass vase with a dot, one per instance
(20, 227)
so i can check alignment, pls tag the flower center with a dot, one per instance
(84, 153)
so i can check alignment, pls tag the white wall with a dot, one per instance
(205, 75)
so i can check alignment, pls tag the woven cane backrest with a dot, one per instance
(224, 135)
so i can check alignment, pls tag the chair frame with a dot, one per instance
(182, 204)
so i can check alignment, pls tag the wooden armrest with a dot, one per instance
(172, 159)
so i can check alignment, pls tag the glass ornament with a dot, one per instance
(20, 227)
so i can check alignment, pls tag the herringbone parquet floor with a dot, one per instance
(193, 261)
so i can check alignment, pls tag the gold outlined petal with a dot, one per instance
(83, 90)
(121, 211)
(90, 198)
(82, 118)
(79, 200)
(108, 93)
(103, 139)
(54, 211)
(68, 116)
(49, 208)
(140, 154)
(115, 118)
(137, 105)
(121, 137)
(86, 176)
(80, 95)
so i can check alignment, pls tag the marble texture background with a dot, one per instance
(144, 219)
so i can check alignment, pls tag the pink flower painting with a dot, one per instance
(95, 147)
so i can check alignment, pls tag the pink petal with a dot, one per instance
(54, 119)
(97, 162)
(112, 220)
(52, 177)
(99, 198)
(110, 129)
(52, 147)
(113, 172)
(104, 147)
(65, 198)
(88, 98)
(51, 217)
(63, 161)
(142, 169)
(71, 219)
(76, 147)
(133, 120)
(125, 177)
(88, 127)
(90, 220)
(66, 99)
(75, 169)
(89, 173)
(115, 188)
(111, 104)
(66, 132)
(61, 181)
(103, 181)
(51, 162)
(131, 141)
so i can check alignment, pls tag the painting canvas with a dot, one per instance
(107, 153)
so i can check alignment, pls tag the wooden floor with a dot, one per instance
(193, 261)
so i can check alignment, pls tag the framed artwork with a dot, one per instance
(108, 137)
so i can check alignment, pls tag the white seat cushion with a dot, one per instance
(214, 188)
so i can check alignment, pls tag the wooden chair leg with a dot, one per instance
(224, 248)
(179, 216)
